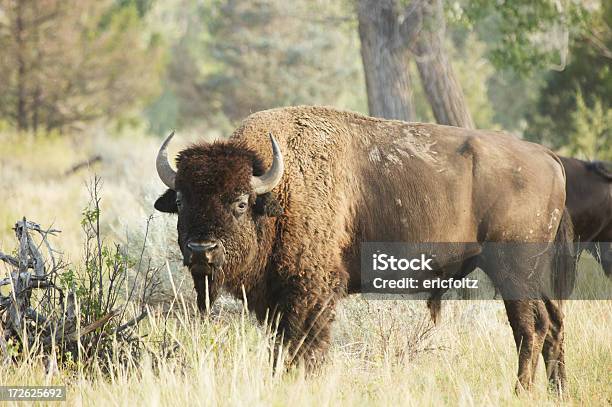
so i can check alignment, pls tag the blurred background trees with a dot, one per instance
(576, 101)
(537, 68)
(69, 62)
(557, 54)
(238, 57)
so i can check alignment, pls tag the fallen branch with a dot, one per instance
(94, 325)
(52, 320)
(132, 322)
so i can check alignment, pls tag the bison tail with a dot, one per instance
(564, 273)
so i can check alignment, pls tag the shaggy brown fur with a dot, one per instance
(350, 179)
(589, 201)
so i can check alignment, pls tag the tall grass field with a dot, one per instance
(384, 352)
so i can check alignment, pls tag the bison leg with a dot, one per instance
(434, 303)
(305, 328)
(552, 350)
(511, 269)
(530, 323)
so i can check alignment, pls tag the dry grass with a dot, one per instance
(384, 352)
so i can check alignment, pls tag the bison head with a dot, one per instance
(220, 199)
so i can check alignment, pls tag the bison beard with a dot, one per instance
(293, 253)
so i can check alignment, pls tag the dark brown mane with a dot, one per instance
(200, 163)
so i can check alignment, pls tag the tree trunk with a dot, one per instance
(385, 60)
(22, 123)
(436, 72)
(390, 36)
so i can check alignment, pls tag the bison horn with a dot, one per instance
(266, 182)
(164, 170)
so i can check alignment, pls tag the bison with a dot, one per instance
(282, 226)
(589, 202)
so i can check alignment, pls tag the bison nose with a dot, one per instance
(211, 251)
(202, 247)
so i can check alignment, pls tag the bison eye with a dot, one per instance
(241, 205)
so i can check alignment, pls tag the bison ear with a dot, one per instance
(267, 205)
(167, 202)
